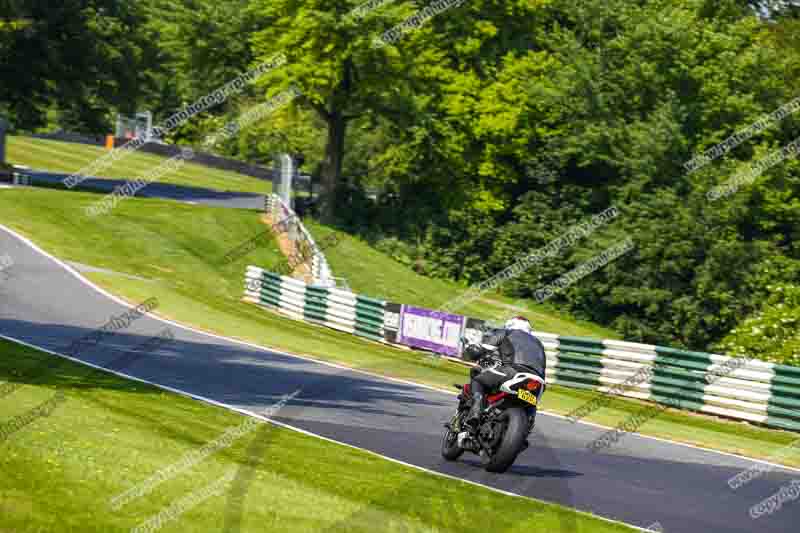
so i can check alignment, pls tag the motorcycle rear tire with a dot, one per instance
(513, 441)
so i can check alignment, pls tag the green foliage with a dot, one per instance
(602, 109)
(86, 58)
(772, 333)
(332, 61)
(482, 135)
(202, 42)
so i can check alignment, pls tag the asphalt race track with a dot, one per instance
(639, 481)
(182, 193)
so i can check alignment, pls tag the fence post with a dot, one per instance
(315, 271)
(3, 129)
(284, 173)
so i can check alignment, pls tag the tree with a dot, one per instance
(774, 9)
(332, 61)
(602, 109)
(82, 58)
(202, 42)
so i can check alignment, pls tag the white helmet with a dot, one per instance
(519, 322)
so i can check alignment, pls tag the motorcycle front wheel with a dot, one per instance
(450, 448)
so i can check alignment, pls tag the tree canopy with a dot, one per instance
(484, 130)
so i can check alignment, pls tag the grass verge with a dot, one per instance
(178, 247)
(107, 435)
(372, 273)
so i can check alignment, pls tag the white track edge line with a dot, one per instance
(342, 367)
(284, 425)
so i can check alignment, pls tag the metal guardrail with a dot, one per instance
(320, 269)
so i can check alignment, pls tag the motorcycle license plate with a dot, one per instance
(526, 396)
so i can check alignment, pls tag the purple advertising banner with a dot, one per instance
(436, 331)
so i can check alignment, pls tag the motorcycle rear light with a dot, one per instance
(494, 398)
(532, 385)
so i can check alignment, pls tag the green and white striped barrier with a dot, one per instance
(737, 388)
(326, 306)
(744, 389)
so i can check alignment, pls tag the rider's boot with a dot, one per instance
(475, 411)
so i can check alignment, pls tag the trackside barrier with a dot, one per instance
(278, 210)
(741, 389)
(744, 389)
(325, 306)
(21, 179)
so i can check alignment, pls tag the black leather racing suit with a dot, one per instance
(518, 351)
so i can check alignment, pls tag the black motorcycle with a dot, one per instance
(504, 425)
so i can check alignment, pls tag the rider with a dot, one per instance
(517, 350)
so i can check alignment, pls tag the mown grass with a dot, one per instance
(179, 247)
(370, 272)
(55, 156)
(108, 435)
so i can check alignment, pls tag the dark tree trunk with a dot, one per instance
(332, 169)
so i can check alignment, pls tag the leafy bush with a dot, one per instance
(773, 333)
(398, 250)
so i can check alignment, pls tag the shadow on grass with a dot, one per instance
(241, 376)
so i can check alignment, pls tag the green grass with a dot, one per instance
(108, 435)
(372, 273)
(55, 156)
(178, 248)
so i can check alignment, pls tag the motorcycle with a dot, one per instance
(503, 429)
